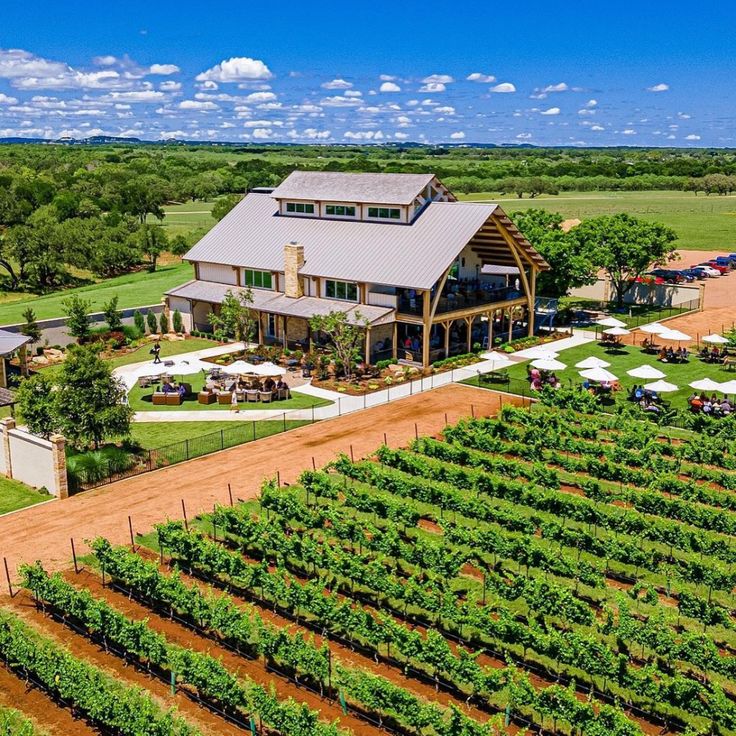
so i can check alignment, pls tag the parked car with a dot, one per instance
(724, 261)
(667, 275)
(706, 270)
(713, 263)
(685, 273)
(694, 274)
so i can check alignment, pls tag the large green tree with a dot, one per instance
(76, 310)
(89, 402)
(625, 247)
(571, 265)
(235, 319)
(152, 242)
(223, 205)
(345, 337)
(36, 404)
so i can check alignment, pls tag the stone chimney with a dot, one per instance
(293, 261)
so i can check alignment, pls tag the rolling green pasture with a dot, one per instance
(701, 223)
(185, 217)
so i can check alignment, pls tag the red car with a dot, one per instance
(718, 266)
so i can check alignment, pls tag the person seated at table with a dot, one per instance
(715, 354)
(652, 408)
(670, 355)
(167, 388)
(662, 356)
(714, 400)
(696, 404)
(269, 384)
(182, 390)
(281, 385)
(534, 374)
(704, 352)
(707, 406)
(725, 407)
(536, 384)
(415, 345)
(684, 354)
(407, 343)
(638, 392)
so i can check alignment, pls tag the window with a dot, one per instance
(385, 213)
(300, 207)
(339, 210)
(341, 290)
(258, 279)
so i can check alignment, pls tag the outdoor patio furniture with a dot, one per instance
(729, 363)
(283, 393)
(173, 398)
(206, 397)
(251, 396)
(265, 396)
(144, 381)
(158, 398)
(224, 397)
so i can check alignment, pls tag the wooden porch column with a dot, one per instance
(489, 316)
(368, 345)
(283, 327)
(427, 316)
(469, 332)
(511, 322)
(447, 326)
(395, 347)
(532, 300)
(260, 328)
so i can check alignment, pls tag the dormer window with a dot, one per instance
(300, 208)
(339, 210)
(384, 213)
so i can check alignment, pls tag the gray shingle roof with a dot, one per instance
(331, 186)
(10, 341)
(253, 235)
(277, 303)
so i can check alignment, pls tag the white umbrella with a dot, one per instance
(268, 369)
(716, 339)
(239, 367)
(653, 329)
(187, 366)
(497, 361)
(598, 375)
(548, 364)
(592, 362)
(660, 387)
(616, 331)
(674, 335)
(540, 351)
(150, 370)
(707, 384)
(646, 371)
(610, 322)
(727, 387)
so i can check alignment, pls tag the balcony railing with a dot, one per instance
(452, 301)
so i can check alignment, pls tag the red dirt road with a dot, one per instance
(44, 532)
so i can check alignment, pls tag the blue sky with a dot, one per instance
(549, 73)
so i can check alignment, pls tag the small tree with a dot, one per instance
(178, 322)
(163, 322)
(152, 241)
(36, 404)
(345, 337)
(139, 321)
(236, 320)
(223, 205)
(77, 313)
(113, 316)
(89, 402)
(30, 327)
(151, 321)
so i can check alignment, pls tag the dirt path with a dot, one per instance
(44, 533)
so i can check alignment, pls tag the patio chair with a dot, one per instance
(251, 396)
(283, 394)
(265, 396)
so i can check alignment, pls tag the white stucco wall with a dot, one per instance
(32, 459)
(218, 273)
(177, 303)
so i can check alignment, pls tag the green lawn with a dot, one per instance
(701, 223)
(183, 218)
(15, 495)
(632, 357)
(140, 400)
(151, 435)
(133, 290)
(169, 348)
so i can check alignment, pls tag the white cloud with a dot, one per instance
(260, 97)
(683, 116)
(263, 124)
(170, 86)
(433, 87)
(353, 93)
(167, 134)
(560, 87)
(400, 136)
(438, 79)
(5, 100)
(311, 134)
(338, 83)
(551, 111)
(339, 101)
(363, 135)
(628, 131)
(661, 87)
(503, 88)
(524, 136)
(208, 85)
(692, 137)
(197, 105)
(458, 135)
(308, 108)
(262, 133)
(163, 69)
(597, 127)
(106, 60)
(445, 110)
(389, 87)
(480, 77)
(387, 77)
(236, 69)
(591, 103)
(144, 95)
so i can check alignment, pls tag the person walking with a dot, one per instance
(234, 402)
(156, 350)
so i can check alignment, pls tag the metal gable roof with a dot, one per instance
(253, 235)
(333, 186)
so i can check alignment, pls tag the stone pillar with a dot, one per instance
(5, 426)
(3, 374)
(293, 261)
(58, 458)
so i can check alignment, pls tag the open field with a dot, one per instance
(701, 223)
(169, 348)
(185, 217)
(133, 290)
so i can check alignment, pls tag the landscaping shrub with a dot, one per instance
(133, 332)
(383, 364)
(95, 465)
(139, 322)
(151, 321)
(178, 323)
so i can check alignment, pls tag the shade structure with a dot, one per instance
(646, 371)
(548, 364)
(187, 366)
(674, 335)
(497, 362)
(238, 368)
(728, 387)
(610, 322)
(599, 375)
(150, 370)
(715, 339)
(268, 369)
(707, 384)
(592, 362)
(653, 329)
(540, 351)
(616, 331)
(660, 387)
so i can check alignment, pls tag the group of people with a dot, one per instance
(648, 400)
(668, 355)
(714, 406)
(539, 379)
(712, 355)
(175, 388)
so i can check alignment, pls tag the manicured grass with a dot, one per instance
(139, 399)
(133, 290)
(169, 348)
(15, 495)
(701, 223)
(632, 357)
(183, 218)
(150, 435)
